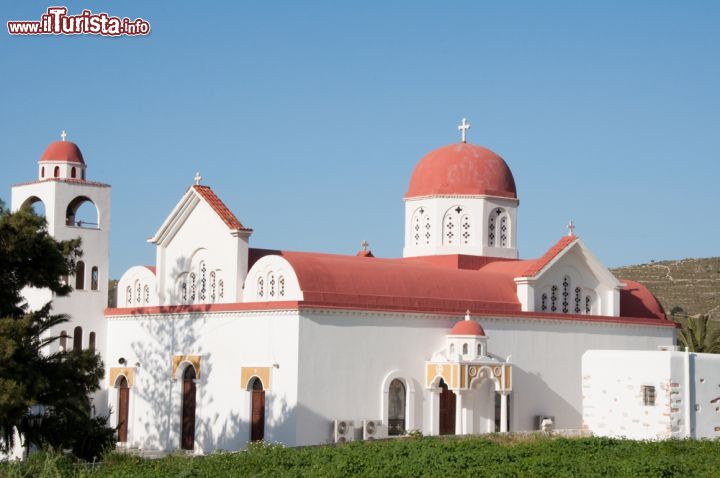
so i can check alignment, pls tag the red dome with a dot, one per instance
(63, 151)
(467, 327)
(462, 168)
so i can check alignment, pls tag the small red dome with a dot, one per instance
(467, 327)
(63, 151)
(462, 168)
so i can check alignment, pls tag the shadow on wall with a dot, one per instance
(529, 393)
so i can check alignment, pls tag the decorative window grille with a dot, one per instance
(193, 286)
(138, 297)
(578, 294)
(466, 229)
(504, 232)
(184, 291)
(543, 302)
(203, 282)
(448, 233)
(221, 289)
(451, 222)
(261, 287)
(213, 287)
(491, 232)
(271, 283)
(588, 304)
(553, 298)
(648, 395)
(566, 295)
(418, 226)
(396, 407)
(281, 286)
(128, 295)
(428, 229)
(146, 294)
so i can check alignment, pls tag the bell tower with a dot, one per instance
(73, 207)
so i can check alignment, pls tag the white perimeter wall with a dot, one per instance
(226, 342)
(345, 358)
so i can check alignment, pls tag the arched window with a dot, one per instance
(82, 174)
(452, 348)
(479, 350)
(261, 288)
(80, 275)
(138, 292)
(42, 172)
(91, 341)
(504, 232)
(544, 302)
(56, 172)
(271, 284)
(452, 228)
(73, 173)
(397, 397)
(192, 287)
(36, 204)
(578, 299)
(94, 278)
(184, 292)
(466, 229)
(128, 295)
(203, 282)
(63, 341)
(221, 288)
(465, 349)
(146, 294)
(213, 287)
(417, 226)
(81, 212)
(553, 298)
(77, 338)
(428, 229)
(588, 304)
(281, 286)
(566, 295)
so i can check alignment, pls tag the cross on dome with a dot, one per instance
(467, 314)
(364, 245)
(198, 178)
(63, 135)
(571, 228)
(463, 127)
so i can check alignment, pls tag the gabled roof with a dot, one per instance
(219, 207)
(539, 264)
(187, 204)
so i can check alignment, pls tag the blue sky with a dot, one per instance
(308, 118)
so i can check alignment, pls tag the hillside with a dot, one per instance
(687, 286)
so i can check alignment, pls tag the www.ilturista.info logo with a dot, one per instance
(57, 22)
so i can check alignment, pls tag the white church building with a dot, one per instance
(221, 341)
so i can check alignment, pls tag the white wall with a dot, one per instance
(344, 357)
(226, 342)
(686, 386)
(137, 288)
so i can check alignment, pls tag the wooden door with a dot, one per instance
(188, 409)
(123, 407)
(257, 424)
(447, 410)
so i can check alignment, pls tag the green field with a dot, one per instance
(494, 455)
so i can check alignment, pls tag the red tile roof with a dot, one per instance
(220, 208)
(151, 269)
(539, 264)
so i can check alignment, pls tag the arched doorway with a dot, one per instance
(187, 439)
(447, 410)
(257, 410)
(123, 408)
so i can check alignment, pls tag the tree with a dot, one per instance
(41, 391)
(695, 334)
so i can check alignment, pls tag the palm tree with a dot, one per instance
(697, 336)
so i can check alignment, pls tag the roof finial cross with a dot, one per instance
(571, 228)
(63, 135)
(364, 245)
(198, 178)
(467, 314)
(463, 127)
